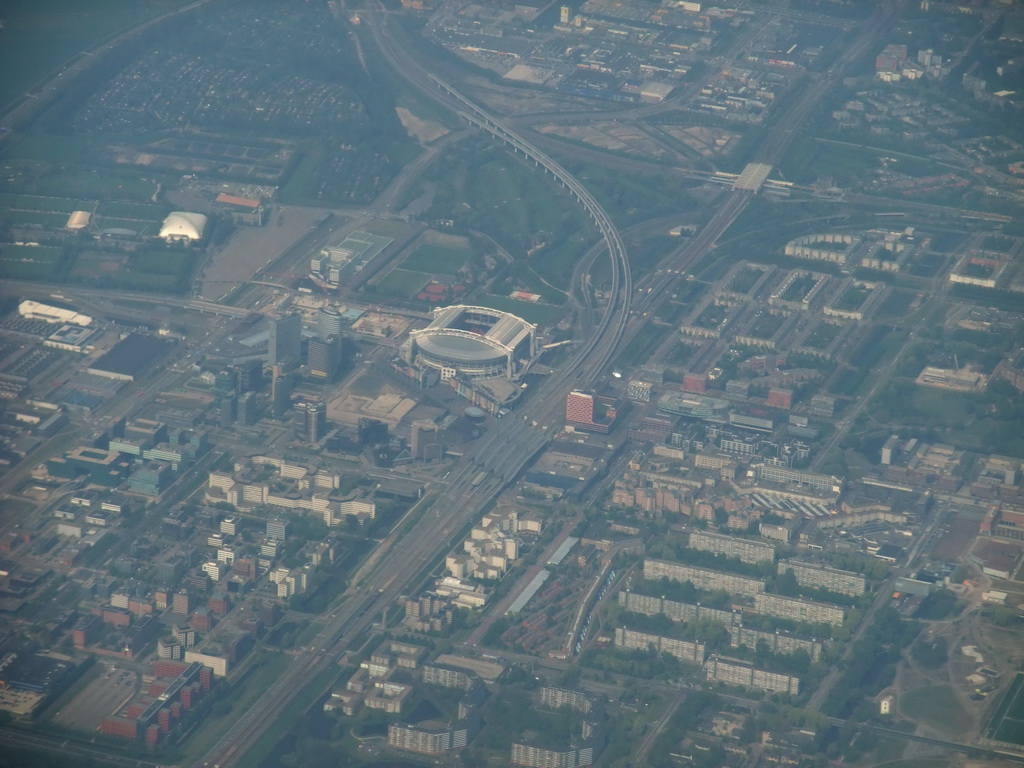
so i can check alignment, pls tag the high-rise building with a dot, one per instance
(228, 409)
(579, 407)
(250, 376)
(226, 383)
(424, 443)
(247, 408)
(329, 322)
(591, 413)
(280, 391)
(285, 340)
(323, 358)
(311, 421)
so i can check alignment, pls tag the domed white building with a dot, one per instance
(182, 225)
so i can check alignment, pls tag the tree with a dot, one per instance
(787, 585)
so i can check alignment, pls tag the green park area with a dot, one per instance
(937, 707)
(30, 262)
(531, 312)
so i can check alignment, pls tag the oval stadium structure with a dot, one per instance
(476, 342)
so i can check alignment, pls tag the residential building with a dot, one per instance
(702, 578)
(744, 549)
(680, 649)
(736, 672)
(833, 579)
(798, 610)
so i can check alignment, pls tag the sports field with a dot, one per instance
(436, 259)
(1007, 723)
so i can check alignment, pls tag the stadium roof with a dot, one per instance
(131, 357)
(507, 332)
(182, 225)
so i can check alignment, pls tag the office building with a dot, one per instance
(702, 578)
(280, 391)
(833, 579)
(226, 383)
(323, 358)
(311, 421)
(228, 405)
(591, 413)
(277, 530)
(743, 549)
(250, 376)
(424, 443)
(329, 322)
(285, 343)
(798, 610)
(736, 672)
(247, 409)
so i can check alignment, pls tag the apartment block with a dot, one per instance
(681, 649)
(798, 610)
(702, 578)
(744, 549)
(447, 676)
(651, 606)
(562, 698)
(428, 741)
(737, 673)
(811, 575)
(778, 642)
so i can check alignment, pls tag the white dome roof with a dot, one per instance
(182, 225)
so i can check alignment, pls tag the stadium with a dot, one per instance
(476, 342)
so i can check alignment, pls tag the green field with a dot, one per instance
(541, 314)
(401, 282)
(34, 219)
(44, 204)
(26, 262)
(436, 259)
(937, 706)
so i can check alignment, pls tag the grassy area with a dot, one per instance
(436, 259)
(25, 262)
(282, 725)
(531, 312)
(555, 265)
(936, 706)
(43, 203)
(401, 282)
(266, 667)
